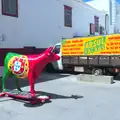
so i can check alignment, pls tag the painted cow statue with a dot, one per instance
(27, 66)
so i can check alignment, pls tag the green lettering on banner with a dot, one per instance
(63, 41)
(96, 45)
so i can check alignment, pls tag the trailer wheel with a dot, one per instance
(97, 72)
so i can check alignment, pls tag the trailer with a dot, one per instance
(98, 55)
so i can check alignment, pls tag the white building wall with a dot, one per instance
(83, 15)
(41, 23)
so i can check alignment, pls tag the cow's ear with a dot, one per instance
(51, 49)
(47, 50)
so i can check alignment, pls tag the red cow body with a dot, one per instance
(29, 66)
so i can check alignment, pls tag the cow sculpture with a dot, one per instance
(27, 66)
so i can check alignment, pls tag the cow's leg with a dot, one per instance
(4, 77)
(31, 82)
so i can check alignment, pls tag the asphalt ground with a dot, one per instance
(70, 100)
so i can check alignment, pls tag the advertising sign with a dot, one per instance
(95, 45)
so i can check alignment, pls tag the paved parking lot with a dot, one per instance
(71, 100)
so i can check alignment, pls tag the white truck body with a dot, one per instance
(58, 65)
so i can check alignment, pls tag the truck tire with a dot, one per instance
(110, 73)
(97, 71)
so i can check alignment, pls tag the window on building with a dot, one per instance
(101, 30)
(10, 8)
(96, 20)
(68, 16)
(92, 29)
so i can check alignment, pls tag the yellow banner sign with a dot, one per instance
(96, 45)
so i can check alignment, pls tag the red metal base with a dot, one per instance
(32, 100)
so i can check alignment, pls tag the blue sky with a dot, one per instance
(116, 0)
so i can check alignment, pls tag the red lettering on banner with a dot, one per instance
(112, 47)
(80, 45)
(81, 40)
(68, 41)
(77, 41)
(112, 43)
(65, 52)
(116, 43)
(115, 38)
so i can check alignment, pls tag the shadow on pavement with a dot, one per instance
(39, 93)
(52, 96)
(44, 77)
(56, 96)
